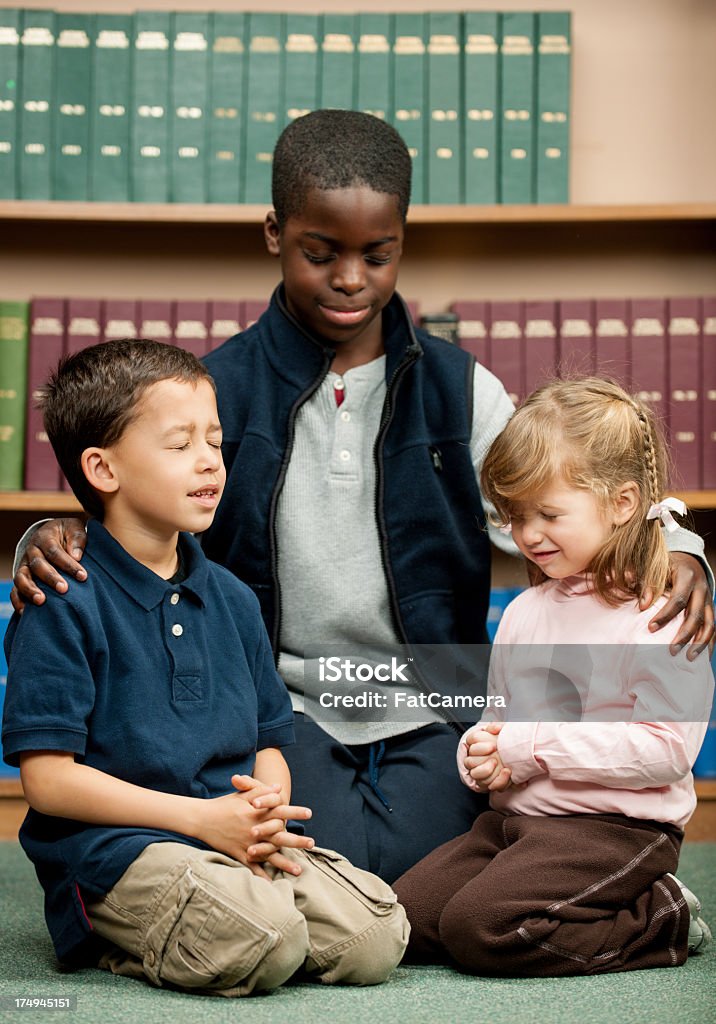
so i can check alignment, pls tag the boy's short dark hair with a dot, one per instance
(330, 149)
(92, 396)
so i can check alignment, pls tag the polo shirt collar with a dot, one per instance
(136, 580)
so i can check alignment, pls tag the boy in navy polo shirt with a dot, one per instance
(146, 716)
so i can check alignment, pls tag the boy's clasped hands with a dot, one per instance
(250, 826)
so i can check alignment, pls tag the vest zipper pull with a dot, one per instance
(436, 456)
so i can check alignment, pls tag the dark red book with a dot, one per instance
(83, 328)
(708, 363)
(611, 340)
(540, 343)
(156, 320)
(506, 348)
(226, 318)
(191, 325)
(576, 337)
(648, 354)
(473, 327)
(414, 310)
(83, 324)
(685, 413)
(253, 308)
(47, 334)
(119, 319)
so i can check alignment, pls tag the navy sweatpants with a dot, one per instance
(384, 805)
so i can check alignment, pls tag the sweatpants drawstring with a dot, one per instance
(375, 756)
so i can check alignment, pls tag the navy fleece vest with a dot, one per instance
(430, 518)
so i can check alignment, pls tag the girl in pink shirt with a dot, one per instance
(589, 772)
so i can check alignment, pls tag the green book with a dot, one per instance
(13, 392)
(480, 117)
(10, 28)
(517, 82)
(264, 103)
(553, 73)
(72, 103)
(149, 127)
(189, 105)
(409, 100)
(375, 65)
(227, 65)
(338, 60)
(37, 60)
(109, 122)
(301, 65)
(444, 105)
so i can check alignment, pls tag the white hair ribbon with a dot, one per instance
(663, 509)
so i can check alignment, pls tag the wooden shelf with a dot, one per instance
(215, 213)
(38, 501)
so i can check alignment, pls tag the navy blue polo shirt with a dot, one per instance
(169, 686)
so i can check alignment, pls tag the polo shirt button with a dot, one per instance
(345, 455)
(346, 416)
(174, 599)
(177, 629)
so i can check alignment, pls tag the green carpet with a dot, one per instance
(425, 995)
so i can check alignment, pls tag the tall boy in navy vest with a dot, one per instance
(146, 715)
(352, 443)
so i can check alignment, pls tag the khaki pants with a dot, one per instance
(201, 921)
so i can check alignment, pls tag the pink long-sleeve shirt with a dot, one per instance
(622, 757)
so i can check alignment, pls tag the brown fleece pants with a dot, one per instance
(549, 896)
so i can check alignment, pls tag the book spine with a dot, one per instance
(10, 28)
(338, 61)
(13, 392)
(301, 65)
(118, 319)
(444, 168)
(409, 99)
(541, 328)
(481, 99)
(73, 101)
(253, 309)
(84, 319)
(374, 90)
(517, 88)
(191, 327)
(227, 88)
(552, 128)
(708, 376)
(441, 325)
(37, 45)
(576, 337)
(156, 320)
(226, 318)
(264, 103)
(649, 361)
(109, 121)
(684, 376)
(47, 331)
(189, 92)
(149, 164)
(83, 328)
(473, 328)
(506, 349)
(612, 342)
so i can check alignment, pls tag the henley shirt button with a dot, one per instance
(174, 599)
(345, 416)
(345, 455)
(177, 630)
